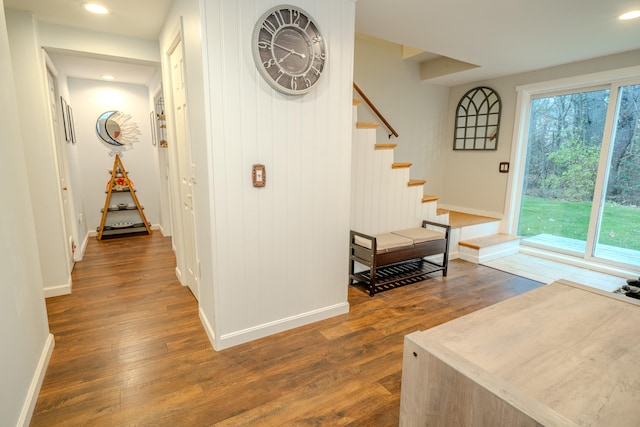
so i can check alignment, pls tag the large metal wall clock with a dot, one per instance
(289, 49)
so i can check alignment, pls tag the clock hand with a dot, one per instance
(284, 57)
(291, 51)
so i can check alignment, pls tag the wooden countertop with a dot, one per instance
(565, 354)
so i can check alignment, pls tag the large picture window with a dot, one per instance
(580, 185)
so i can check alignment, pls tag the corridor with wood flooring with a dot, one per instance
(130, 349)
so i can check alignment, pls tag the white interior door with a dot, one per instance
(185, 168)
(57, 119)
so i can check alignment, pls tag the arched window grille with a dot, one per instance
(477, 120)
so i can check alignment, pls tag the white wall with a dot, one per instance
(472, 179)
(89, 99)
(417, 110)
(39, 146)
(26, 342)
(281, 254)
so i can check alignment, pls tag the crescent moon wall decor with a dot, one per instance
(116, 131)
(101, 129)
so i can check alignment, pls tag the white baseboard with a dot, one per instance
(83, 247)
(179, 276)
(266, 329)
(55, 291)
(36, 383)
(160, 229)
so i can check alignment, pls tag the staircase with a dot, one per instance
(385, 198)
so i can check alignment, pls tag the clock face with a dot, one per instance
(289, 49)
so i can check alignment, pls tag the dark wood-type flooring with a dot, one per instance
(130, 349)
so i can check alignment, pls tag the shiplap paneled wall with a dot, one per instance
(280, 253)
(381, 200)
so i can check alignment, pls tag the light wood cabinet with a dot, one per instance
(561, 355)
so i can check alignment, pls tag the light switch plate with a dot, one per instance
(259, 176)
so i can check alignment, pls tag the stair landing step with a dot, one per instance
(483, 242)
(461, 219)
(416, 182)
(367, 125)
(385, 146)
(356, 101)
(401, 165)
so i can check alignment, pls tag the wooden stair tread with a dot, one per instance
(401, 165)
(441, 211)
(462, 219)
(416, 182)
(367, 125)
(426, 199)
(486, 241)
(385, 146)
(356, 101)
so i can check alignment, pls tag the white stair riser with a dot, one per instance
(488, 253)
(479, 230)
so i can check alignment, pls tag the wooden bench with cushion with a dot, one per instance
(397, 258)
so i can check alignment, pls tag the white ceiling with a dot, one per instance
(135, 18)
(501, 37)
(93, 67)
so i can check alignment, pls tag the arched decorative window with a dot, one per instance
(477, 120)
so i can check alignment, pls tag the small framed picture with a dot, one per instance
(72, 128)
(65, 120)
(152, 120)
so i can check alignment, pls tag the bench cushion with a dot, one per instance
(385, 242)
(419, 235)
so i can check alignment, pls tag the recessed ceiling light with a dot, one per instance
(95, 8)
(630, 15)
(108, 77)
